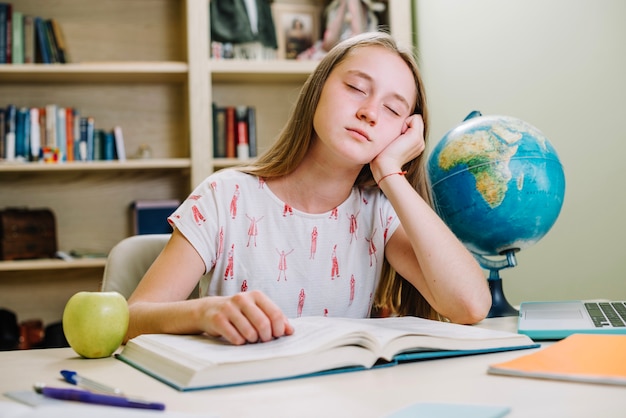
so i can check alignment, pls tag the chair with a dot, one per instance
(129, 260)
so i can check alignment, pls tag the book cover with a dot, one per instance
(69, 134)
(231, 132)
(22, 134)
(29, 40)
(52, 46)
(219, 131)
(120, 147)
(2, 135)
(241, 119)
(108, 146)
(18, 37)
(150, 216)
(42, 52)
(35, 134)
(3, 33)
(61, 133)
(51, 126)
(252, 138)
(8, 49)
(591, 358)
(59, 41)
(10, 116)
(319, 345)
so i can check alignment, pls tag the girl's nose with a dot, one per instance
(368, 111)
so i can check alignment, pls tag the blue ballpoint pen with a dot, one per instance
(75, 379)
(96, 398)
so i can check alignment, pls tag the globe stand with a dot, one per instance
(499, 305)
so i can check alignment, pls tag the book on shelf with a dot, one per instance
(319, 345)
(234, 131)
(26, 39)
(219, 131)
(231, 132)
(150, 216)
(53, 133)
(590, 358)
(6, 33)
(29, 39)
(17, 45)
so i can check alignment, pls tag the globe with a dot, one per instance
(499, 185)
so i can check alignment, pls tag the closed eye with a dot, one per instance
(353, 87)
(392, 110)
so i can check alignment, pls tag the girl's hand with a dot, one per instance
(247, 317)
(409, 145)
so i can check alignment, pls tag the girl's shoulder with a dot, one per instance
(232, 176)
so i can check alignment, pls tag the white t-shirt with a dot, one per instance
(308, 264)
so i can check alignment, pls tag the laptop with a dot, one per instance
(558, 319)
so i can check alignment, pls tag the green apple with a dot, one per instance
(95, 323)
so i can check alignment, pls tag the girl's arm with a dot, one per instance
(159, 303)
(423, 249)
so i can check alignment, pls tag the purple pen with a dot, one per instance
(96, 398)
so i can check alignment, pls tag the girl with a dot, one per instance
(334, 219)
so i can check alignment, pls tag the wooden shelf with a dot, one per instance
(147, 164)
(52, 264)
(108, 72)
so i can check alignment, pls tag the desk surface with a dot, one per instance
(371, 393)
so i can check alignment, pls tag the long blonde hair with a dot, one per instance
(394, 295)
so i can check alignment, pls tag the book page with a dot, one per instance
(311, 334)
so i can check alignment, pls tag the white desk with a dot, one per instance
(372, 393)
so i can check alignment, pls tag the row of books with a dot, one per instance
(56, 134)
(27, 39)
(234, 132)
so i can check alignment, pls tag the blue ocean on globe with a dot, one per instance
(497, 182)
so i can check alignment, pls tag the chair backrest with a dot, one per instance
(129, 260)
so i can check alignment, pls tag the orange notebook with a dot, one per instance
(593, 358)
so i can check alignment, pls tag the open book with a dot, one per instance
(318, 345)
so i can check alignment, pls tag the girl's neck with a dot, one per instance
(314, 188)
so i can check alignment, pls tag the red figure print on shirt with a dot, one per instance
(220, 246)
(253, 229)
(353, 226)
(385, 225)
(334, 214)
(334, 270)
(301, 298)
(195, 197)
(229, 273)
(352, 287)
(244, 286)
(287, 210)
(313, 243)
(371, 247)
(233, 202)
(198, 217)
(282, 264)
(214, 185)
(325, 311)
(261, 182)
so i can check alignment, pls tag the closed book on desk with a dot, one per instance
(319, 345)
(592, 358)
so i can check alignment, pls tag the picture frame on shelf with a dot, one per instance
(297, 28)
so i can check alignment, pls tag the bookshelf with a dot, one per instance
(143, 65)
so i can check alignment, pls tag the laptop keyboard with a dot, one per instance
(605, 314)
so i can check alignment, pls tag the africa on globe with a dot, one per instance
(497, 182)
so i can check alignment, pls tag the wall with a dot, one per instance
(561, 66)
